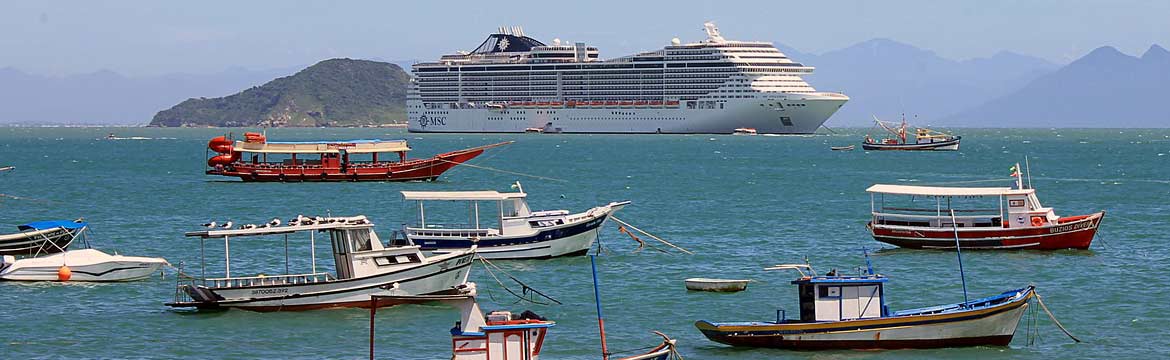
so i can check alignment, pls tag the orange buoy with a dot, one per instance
(1037, 221)
(63, 273)
(220, 144)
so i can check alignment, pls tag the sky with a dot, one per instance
(143, 38)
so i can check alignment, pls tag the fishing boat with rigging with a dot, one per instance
(924, 139)
(849, 312)
(519, 232)
(903, 215)
(346, 160)
(362, 264)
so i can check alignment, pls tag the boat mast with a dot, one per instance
(959, 253)
(597, 300)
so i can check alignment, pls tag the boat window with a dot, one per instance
(509, 208)
(361, 240)
(1016, 203)
(829, 291)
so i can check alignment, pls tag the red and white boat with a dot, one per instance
(928, 217)
(257, 159)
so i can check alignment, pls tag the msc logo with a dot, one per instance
(437, 120)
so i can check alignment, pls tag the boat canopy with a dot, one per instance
(52, 224)
(353, 222)
(316, 147)
(461, 195)
(945, 191)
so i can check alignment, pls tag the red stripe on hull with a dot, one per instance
(779, 343)
(1069, 235)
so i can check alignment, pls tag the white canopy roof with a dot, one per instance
(345, 222)
(353, 146)
(944, 191)
(460, 195)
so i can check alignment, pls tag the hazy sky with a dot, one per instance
(153, 37)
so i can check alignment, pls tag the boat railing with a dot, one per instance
(466, 233)
(942, 211)
(263, 280)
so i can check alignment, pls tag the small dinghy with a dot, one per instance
(716, 285)
(842, 148)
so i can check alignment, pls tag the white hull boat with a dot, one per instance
(519, 232)
(365, 267)
(41, 237)
(716, 285)
(82, 265)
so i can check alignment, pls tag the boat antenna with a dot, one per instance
(597, 300)
(959, 253)
(1028, 170)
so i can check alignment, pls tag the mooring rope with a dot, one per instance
(525, 288)
(504, 171)
(619, 221)
(1053, 317)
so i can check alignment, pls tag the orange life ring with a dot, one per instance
(1037, 221)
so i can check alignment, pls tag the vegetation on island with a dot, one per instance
(334, 92)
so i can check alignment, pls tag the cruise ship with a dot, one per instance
(514, 83)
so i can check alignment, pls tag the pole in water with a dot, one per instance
(597, 298)
(373, 311)
(959, 252)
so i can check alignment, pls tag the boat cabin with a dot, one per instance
(357, 252)
(974, 207)
(337, 154)
(837, 298)
(511, 214)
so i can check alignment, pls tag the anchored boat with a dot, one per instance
(52, 258)
(518, 232)
(849, 312)
(501, 335)
(924, 139)
(41, 237)
(363, 266)
(664, 351)
(981, 218)
(257, 159)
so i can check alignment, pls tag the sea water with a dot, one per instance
(740, 203)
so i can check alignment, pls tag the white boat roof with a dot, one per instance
(945, 191)
(282, 229)
(460, 195)
(350, 146)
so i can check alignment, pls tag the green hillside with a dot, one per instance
(335, 92)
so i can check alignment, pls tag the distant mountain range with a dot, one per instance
(335, 92)
(883, 77)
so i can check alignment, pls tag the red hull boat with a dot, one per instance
(934, 217)
(328, 161)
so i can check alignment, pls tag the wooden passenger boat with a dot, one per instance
(518, 231)
(849, 312)
(924, 139)
(363, 266)
(1014, 219)
(257, 159)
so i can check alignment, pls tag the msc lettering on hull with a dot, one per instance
(425, 121)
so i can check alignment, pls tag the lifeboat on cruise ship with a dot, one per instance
(672, 103)
(627, 103)
(542, 103)
(656, 103)
(555, 103)
(612, 103)
(596, 103)
(639, 103)
(349, 160)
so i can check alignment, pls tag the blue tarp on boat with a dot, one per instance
(50, 224)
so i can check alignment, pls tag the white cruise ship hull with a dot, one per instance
(794, 114)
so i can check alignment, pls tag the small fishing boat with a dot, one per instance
(53, 258)
(981, 217)
(363, 266)
(849, 312)
(745, 131)
(501, 335)
(257, 159)
(519, 232)
(663, 351)
(41, 237)
(842, 148)
(6, 168)
(716, 285)
(547, 129)
(924, 139)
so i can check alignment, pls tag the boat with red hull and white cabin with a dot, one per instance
(1016, 221)
(347, 160)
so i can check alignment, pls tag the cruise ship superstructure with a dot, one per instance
(513, 82)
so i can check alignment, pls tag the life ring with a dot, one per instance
(1037, 221)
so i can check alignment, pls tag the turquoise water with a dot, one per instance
(741, 203)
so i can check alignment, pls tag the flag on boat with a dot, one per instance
(1015, 170)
